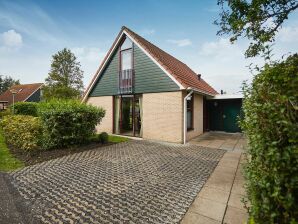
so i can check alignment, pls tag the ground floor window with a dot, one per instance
(190, 112)
(128, 115)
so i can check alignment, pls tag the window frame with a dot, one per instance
(120, 50)
(191, 109)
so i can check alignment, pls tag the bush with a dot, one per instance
(25, 108)
(270, 123)
(5, 113)
(103, 137)
(22, 131)
(68, 122)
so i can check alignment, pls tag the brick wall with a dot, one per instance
(162, 116)
(198, 118)
(105, 102)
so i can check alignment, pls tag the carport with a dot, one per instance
(222, 112)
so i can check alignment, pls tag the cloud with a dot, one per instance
(180, 43)
(11, 39)
(37, 24)
(88, 53)
(288, 34)
(90, 59)
(147, 32)
(221, 49)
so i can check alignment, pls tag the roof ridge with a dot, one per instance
(182, 74)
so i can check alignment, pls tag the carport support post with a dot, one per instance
(185, 116)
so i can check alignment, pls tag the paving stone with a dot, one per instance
(131, 182)
(214, 194)
(235, 201)
(208, 208)
(220, 182)
(229, 163)
(238, 187)
(235, 216)
(225, 170)
(194, 218)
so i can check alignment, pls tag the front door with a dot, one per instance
(127, 115)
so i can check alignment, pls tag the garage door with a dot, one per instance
(223, 115)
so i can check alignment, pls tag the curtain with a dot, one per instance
(117, 114)
(141, 114)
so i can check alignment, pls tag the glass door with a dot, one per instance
(137, 116)
(126, 125)
(128, 115)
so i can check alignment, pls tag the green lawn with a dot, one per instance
(7, 161)
(117, 139)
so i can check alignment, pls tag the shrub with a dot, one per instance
(103, 137)
(5, 113)
(25, 108)
(22, 131)
(68, 122)
(270, 123)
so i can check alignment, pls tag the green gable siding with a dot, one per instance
(148, 77)
(107, 84)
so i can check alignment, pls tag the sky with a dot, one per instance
(32, 31)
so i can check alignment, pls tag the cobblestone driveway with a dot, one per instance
(132, 182)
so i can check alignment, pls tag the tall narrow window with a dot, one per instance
(126, 59)
(190, 113)
(126, 67)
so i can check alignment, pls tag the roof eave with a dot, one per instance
(205, 93)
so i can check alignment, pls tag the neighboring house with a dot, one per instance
(148, 93)
(24, 93)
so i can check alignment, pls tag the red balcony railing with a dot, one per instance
(126, 81)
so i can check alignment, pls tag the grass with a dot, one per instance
(7, 161)
(112, 138)
(117, 139)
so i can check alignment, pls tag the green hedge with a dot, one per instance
(4, 113)
(22, 131)
(271, 125)
(68, 122)
(25, 108)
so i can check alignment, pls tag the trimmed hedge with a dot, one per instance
(271, 125)
(25, 108)
(68, 122)
(22, 131)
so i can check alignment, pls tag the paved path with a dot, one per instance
(132, 182)
(219, 201)
(13, 208)
(221, 140)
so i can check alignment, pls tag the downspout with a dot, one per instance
(185, 116)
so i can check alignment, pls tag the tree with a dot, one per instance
(6, 82)
(65, 77)
(257, 20)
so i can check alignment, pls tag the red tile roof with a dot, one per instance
(24, 91)
(180, 71)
